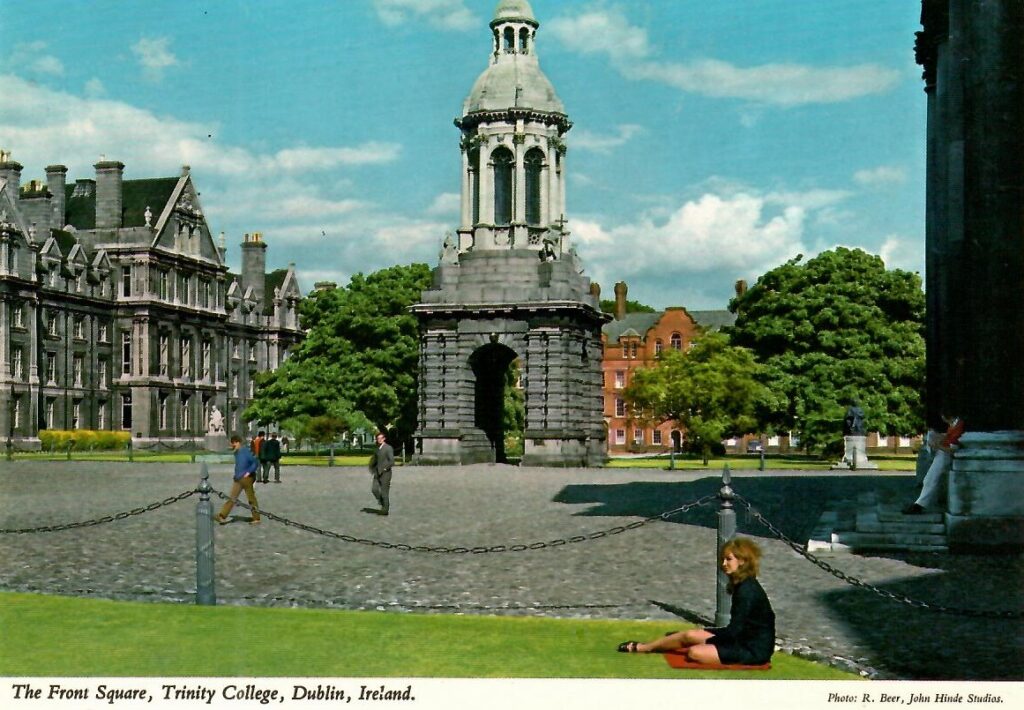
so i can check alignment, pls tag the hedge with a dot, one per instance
(83, 439)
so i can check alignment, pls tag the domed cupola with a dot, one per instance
(513, 192)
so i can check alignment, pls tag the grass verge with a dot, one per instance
(64, 636)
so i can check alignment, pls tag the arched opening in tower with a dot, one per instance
(498, 399)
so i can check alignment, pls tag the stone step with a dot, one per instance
(892, 513)
(865, 540)
(868, 521)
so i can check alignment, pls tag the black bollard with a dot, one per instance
(726, 531)
(205, 595)
(330, 460)
(129, 447)
(761, 467)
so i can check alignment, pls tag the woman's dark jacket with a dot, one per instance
(750, 636)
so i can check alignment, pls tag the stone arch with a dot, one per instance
(490, 366)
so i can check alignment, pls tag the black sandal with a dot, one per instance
(629, 647)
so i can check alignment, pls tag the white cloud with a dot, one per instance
(882, 175)
(446, 204)
(601, 32)
(44, 125)
(902, 252)
(445, 14)
(781, 84)
(585, 140)
(31, 58)
(610, 33)
(154, 55)
(94, 88)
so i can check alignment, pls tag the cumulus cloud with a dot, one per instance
(702, 245)
(882, 175)
(154, 56)
(783, 84)
(33, 59)
(44, 125)
(445, 204)
(902, 252)
(444, 14)
(601, 32)
(585, 140)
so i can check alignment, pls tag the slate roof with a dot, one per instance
(136, 195)
(65, 241)
(639, 323)
(274, 280)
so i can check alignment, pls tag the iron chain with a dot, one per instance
(839, 574)
(519, 547)
(100, 521)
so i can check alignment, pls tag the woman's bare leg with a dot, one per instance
(703, 653)
(680, 639)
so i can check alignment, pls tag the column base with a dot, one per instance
(986, 491)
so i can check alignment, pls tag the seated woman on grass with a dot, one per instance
(749, 639)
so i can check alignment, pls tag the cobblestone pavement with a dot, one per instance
(662, 570)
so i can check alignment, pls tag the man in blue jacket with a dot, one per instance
(246, 467)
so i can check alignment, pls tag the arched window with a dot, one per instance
(524, 41)
(474, 176)
(510, 40)
(504, 169)
(534, 167)
(676, 341)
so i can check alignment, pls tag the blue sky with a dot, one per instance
(711, 140)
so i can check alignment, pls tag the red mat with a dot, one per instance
(678, 659)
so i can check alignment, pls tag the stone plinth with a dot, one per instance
(986, 490)
(855, 455)
(217, 442)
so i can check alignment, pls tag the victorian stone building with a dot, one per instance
(510, 287)
(117, 311)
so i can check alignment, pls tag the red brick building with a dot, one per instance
(632, 341)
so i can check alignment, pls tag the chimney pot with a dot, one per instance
(741, 287)
(620, 300)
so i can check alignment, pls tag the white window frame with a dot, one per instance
(620, 437)
(620, 407)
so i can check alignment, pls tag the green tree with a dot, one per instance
(831, 331)
(608, 306)
(513, 411)
(711, 391)
(359, 360)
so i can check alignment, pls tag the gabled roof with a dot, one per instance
(136, 196)
(65, 240)
(713, 320)
(639, 323)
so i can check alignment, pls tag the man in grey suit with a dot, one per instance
(380, 468)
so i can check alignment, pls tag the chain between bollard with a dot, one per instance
(478, 550)
(853, 581)
(103, 520)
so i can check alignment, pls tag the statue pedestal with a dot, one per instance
(217, 442)
(855, 456)
(986, 491)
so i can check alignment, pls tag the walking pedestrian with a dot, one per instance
(246, 467)
(381, 462)
(270, 455)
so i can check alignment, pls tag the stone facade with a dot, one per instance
(973, 61)
(511, 287)
(117, 311)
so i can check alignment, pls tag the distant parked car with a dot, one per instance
(754, 446)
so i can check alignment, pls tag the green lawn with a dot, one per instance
(180, 457)
(64, 636)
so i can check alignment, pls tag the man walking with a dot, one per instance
(246, 467)
(380, 468)
(270, 455)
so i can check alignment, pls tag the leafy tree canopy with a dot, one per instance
(608, 306)
(712, 391)
(358, 361)
(831, 331)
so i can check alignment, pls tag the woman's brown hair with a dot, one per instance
(748, 553)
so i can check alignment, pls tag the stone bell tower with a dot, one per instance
(511, 287)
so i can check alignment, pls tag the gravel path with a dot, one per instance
(662, 570)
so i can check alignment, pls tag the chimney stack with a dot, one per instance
(620, 300)
(109, 177)
(10, 170)
(56, 179)
(254, 266)
(741, 287)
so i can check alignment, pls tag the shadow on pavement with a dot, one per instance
(793, 504)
